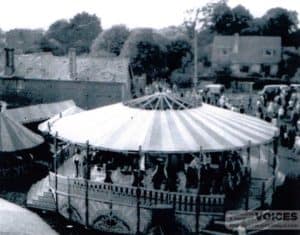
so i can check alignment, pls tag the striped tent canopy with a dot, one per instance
(128, 126)
(15, 137)
(46, 126)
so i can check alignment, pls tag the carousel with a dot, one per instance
(168, 150)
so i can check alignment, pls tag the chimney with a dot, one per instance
(72, 64)
(9, 61)
(236, 43)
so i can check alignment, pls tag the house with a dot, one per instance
(247, 55)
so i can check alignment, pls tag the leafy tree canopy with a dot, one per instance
(79, 32)
(24, 40)
(110, 40)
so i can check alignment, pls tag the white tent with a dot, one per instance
(46, 125)
(163, 123)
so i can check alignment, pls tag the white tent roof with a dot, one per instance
(44, 126)
(166, 127)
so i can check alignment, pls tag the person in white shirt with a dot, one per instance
(76, 160)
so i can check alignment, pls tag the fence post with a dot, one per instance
(263, 194)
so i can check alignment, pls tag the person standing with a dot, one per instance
(76, 160)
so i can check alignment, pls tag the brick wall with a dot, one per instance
(86, 94)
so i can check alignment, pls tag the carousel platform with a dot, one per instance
(40, 195)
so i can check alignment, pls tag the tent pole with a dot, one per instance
(55, 169)
(138, 195)
(249, 154)
(274, 163)
(198, 198)
(86, 176)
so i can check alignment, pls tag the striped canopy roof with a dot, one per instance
(15, 137)
(46, 125)
(125, 127)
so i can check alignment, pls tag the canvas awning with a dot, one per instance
(39, 112)
(15, 137)
(46, 126)
(163, 123)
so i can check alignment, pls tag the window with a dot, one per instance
(269, 52)
(245, 69)
(224, 51)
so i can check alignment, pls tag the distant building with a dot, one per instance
(247, 55)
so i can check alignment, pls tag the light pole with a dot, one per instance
(195, 26)
(195, 78)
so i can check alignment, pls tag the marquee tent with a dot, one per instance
(44, 126)
(163, 123)
(15, 137)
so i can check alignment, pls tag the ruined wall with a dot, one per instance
(86, 94)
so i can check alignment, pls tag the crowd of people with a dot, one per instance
(214, 173)
(282, 108)
(225, 176)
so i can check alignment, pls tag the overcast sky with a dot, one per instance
(133, 13)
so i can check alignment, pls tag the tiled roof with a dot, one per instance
(47, 66)
(246, 49)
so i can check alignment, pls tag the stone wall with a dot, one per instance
(85, 94)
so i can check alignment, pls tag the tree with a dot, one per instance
(255, 27)
(222, 19)
(154, 54)
(136, 35)
(110, 40)
(242, 18)
(289, 64)
(280, 22)
(294, 39)
(84, 28)
(24, 40)
(57, 38)
(79, 33)
(228, 21)
(148, 60)
(177, 50)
